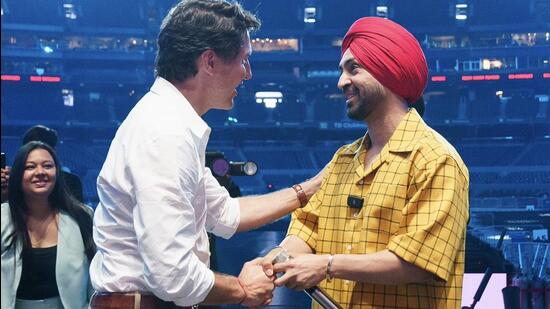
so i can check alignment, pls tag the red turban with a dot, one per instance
(390, 53)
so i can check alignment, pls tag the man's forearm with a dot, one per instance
(382, 267)
(307, 270)
(263, 209)
(295, 245)
(226, 290)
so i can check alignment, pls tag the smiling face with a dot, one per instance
(39, 174)
(231, 75)
(362, 91)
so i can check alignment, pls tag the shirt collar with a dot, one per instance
(408, 132)
(403, 139)
(165, 88)
(356, 147)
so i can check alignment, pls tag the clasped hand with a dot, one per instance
(301, 272)
(258, 276)
(258, 286)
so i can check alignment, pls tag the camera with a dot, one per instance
(220, 167)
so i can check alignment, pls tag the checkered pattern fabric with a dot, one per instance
(415, 205)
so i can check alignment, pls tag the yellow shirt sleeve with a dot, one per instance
(433, 227)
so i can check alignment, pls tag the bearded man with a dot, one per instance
(387, 228)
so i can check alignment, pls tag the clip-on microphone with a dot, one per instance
(355, 202)
(314, 292)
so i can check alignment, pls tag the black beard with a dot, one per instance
(360, 111)
(366, 102)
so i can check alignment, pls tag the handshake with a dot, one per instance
(258, 278)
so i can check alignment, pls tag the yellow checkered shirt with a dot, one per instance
(415, 205)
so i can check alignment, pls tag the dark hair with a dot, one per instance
(59, 199)
(42, 134)
(419, 105)
(194, 26)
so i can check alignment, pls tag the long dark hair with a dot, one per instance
(59, 199)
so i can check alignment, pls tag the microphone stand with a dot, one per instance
(481, 288)
(486, 277)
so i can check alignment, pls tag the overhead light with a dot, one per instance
(497, 64)
(68, 97)
(270, 102)
(310, 15)
(461, 11)
(70, 12)
(269, 98)
(489, 64)
(269, 94)
(382, 11)
(47, 49)
(542, 98)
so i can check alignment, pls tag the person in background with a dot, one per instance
(387, 229)
(46, 236)
(48, 136)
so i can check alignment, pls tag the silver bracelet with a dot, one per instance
(328, 276)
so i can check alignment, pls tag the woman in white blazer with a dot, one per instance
(46, 236)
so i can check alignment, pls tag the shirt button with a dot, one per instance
(356, 214)
(360, 182)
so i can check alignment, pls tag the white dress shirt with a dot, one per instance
(157, 201)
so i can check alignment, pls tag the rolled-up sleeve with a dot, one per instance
(223, 213)
(166, 178)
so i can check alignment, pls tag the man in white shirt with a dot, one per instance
(157, 200)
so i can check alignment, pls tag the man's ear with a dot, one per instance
(207, 61)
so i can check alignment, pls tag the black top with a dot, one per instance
(38, 274)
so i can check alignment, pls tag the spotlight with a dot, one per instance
(248, 168)
(220, 167)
